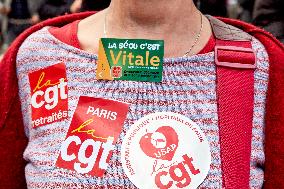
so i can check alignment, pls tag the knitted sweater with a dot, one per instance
(188, 88)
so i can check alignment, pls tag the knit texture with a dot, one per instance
(188, 88)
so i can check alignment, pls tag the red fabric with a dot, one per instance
(234, 55)
(12, 137)
(70, 34)
(242, 57)
(274, 127)
(71, 37)
(11, 168)
(235, 92)
(209, 46)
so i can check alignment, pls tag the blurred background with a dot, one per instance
(18, 15)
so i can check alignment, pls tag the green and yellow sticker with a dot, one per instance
(130, 59)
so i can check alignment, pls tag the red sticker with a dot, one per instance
(95, 128)
(49, 95)
(116, 71)
(161, 144)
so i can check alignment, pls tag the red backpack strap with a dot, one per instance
(235, 65)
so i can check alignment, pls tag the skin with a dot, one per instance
(177, 22)
(76, 6)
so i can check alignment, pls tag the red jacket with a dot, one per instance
(13, 140)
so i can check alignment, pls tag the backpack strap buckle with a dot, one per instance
(229, 56)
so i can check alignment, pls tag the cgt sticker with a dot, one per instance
(174, 151)
(95, 128)
(49, 95)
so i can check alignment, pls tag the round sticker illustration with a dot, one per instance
(165, 150)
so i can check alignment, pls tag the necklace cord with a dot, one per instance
(190, 49)
(196, 38)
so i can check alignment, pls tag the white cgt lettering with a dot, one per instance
(50, 96)
(80, 166)
(34, 97)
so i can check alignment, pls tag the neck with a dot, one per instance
(152, 18)
(177, 22)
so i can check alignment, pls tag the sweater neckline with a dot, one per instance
(71, 43)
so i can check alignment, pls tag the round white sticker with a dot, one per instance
(165, 150)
